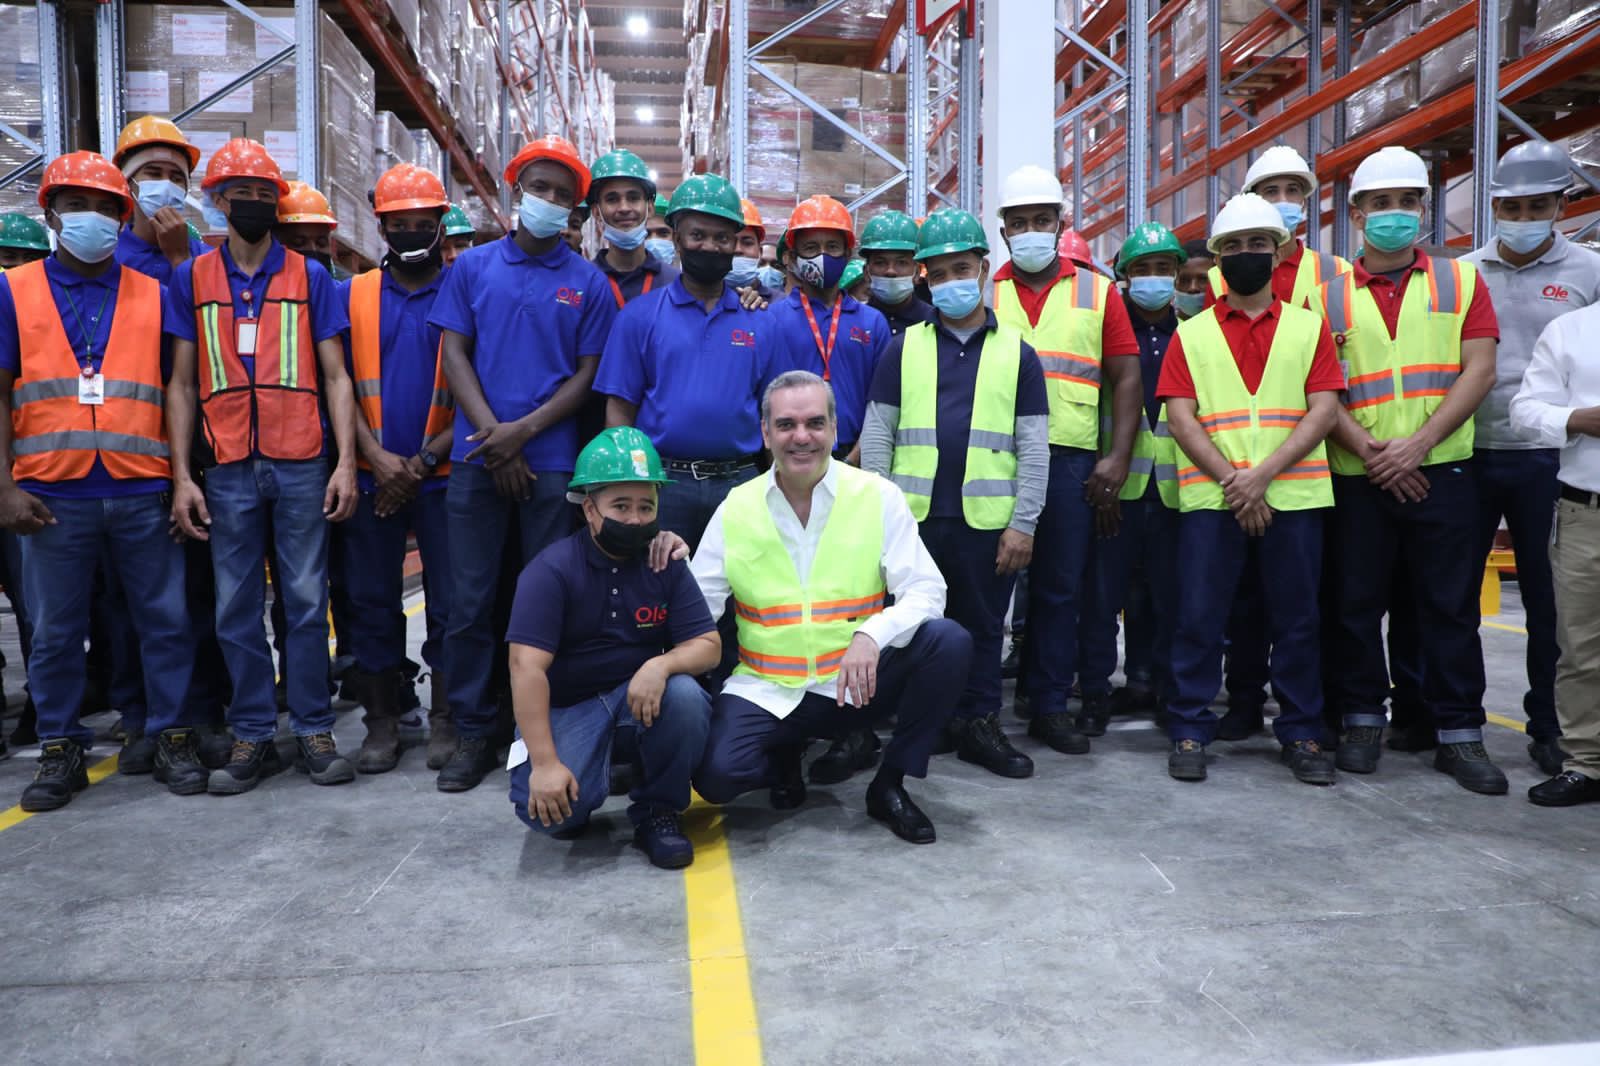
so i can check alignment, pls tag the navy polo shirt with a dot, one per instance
(148, 259)
(906, 315)
(1153, 339)
(86, 307)
(696, 375)
(530, 318)
(958, 381)
(632, 282)
(861, 341)
(408, 352)
(602, 618)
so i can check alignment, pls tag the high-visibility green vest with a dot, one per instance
(795, 634)
(1315, 270)
(1067, 339)
(1166, 460)
(1245, 428)
(989, 486)
(1393, 385)
(1142, 464)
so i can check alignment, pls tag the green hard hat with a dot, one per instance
(707, 194)
(621, 163)
(19, 231)
(1149, 238)
(619, 454)
(890, 231)
(661, 205)
(852, 273)
(951, 230)
(456, 223)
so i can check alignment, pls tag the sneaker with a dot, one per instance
(1308, 762)
(61, 773)
(661, 837)
(1547, 755)
(1566, 789)
(250, 763)
(318, 756)
(1187, 761)
(1469, 764)
(983, 743)
(467, 766)
(177, 762)
(1359, 749)
(1060, 732)
(856, 750)
(1095, 714)
(1243, 721)
(138, 755)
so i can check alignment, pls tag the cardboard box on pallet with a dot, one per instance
(1454, 63)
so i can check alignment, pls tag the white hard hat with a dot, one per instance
(1390, 168)
(1246, 213)
(1030, 185)
(1279, 161)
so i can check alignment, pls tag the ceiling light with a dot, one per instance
(645, 114)
(638, 25)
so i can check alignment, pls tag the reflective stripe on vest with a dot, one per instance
(1068, 340)
(1247, 429)
(275, 413)
(1166, 460)
(795, 634)
(989, 483)
(366, 357)
(1142, 463)
(54, 437)
(1393, 385)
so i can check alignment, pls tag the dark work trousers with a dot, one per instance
(686, 504)
(1130, 574)
(1057, 577)
(1245, 673)
(976, 598)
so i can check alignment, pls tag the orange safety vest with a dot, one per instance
(366, 292)
(56, 438)
(277, 414)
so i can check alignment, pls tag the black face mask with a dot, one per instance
(623, 540)
(1246, 273)
(252, 219)
(414, 252)
(707, 268)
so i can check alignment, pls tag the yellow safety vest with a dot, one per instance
(1247, 428)
(1067, 339)
(1166, 460)
(1142, 464)
(1315, 269)
(795, 634)
(1393, 385)
(989, 486)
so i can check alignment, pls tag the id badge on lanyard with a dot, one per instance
(91, 387)
(244, 336)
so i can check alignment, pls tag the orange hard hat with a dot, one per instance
(85, 170)
(152, 129)
(303, 204)
(752, 219)
(243, 158)
(1074, 247)
(557, 150)
(824, 212)
(408, 187)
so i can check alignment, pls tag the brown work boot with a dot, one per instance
(380, 751)
(441, 729)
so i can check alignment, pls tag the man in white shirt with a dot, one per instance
(810, 554)
(1559, 406)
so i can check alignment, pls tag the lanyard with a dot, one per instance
(816, 333)
(88, 337)
(616, 290)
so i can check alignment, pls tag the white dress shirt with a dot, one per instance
(1563, 376)
(908, 571)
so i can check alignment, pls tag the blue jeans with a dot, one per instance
(686, 503)
(1057, 578)
(57, 564)
(669, 750)
(374, 564)
(255, 502)
(481, 521)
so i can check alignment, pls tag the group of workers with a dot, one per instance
(722, 497)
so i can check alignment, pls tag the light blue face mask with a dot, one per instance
(541, 218)
(662, 249)
(158, 193)
(958, 298)
(216, 220)
(90, 236)
(1152, 294)
(1033, 251)
(893, 291)
(1392, 231)
(1524, 237)
(745, 269)
(626, 240)
(1292, 214)
(771, 279)
(1189, 304)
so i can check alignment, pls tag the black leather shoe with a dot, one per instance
(1187, 761)
(1547, 755)
(1566, 789)
(61, 773)
(138, 755)
(984, 744)
(1469, 764)
(854, 751)
(891, 805)
(468, 766)
(178, 763)
(1309, 763)
(248, 765)
(1095, 714)
(1412, 738)
(216, 747)
(1243, 721)
(1060, 732)
(790, 791)
(1360, 747)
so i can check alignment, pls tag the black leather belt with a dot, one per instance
(1579, 496)
(706, 469)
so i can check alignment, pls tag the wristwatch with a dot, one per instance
(429, 459)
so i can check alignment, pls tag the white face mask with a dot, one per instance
(1033, 251)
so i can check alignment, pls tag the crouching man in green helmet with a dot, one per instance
(602, 641)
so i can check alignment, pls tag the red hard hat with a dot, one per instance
(557, 150)
(243, 158)
(408, 187)
(1073, 247)
(85, 170)
(823, 212)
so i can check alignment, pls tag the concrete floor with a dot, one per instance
(1099, 913)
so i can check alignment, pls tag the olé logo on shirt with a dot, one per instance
(860, 336)
(743, 338)
(1557, 293)
(648, 617)
(570, 297)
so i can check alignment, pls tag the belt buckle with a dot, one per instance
(694, 469)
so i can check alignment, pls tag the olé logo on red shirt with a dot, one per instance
(648, 617)
(860, 336)
(1557, 293)
(743, 338)
(570, 297)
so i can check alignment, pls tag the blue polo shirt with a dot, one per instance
(696, 375)
(602, 618)
(1153, 339)
(86, 307)
(910, 313)
(408, 352)
(530, 318)
(958, 382)
(148, 259)
(632, 282)
(862, 338)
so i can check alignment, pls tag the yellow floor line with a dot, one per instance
(1505, 628)
(725, 1028)
(97, 773)
(1508, 723)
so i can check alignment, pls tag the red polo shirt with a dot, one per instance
(1479, 323)
(1116, 332)
(1250, 339)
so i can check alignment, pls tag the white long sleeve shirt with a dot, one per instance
(909, 574)
(1563, 376)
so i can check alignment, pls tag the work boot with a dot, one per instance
(61, 773)
(250, 763)
(177, 763)
(1133, 698)
(318, 756)
(983, 743)
(1187, 761)
(441, 727)
(1469, 764)
(467, 766)
(216, 745)
(380, 749)
(1011, 665)
(789, 791)
(1360, 747)
(1060, 732)
(1308, 762)
(1243, 721)
(1547, 755)
(1095, 714)
(138, 755)
(661, 837)
(856, 750)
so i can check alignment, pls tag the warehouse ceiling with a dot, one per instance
(649, 72)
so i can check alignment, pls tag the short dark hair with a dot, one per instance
(1196, 249)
